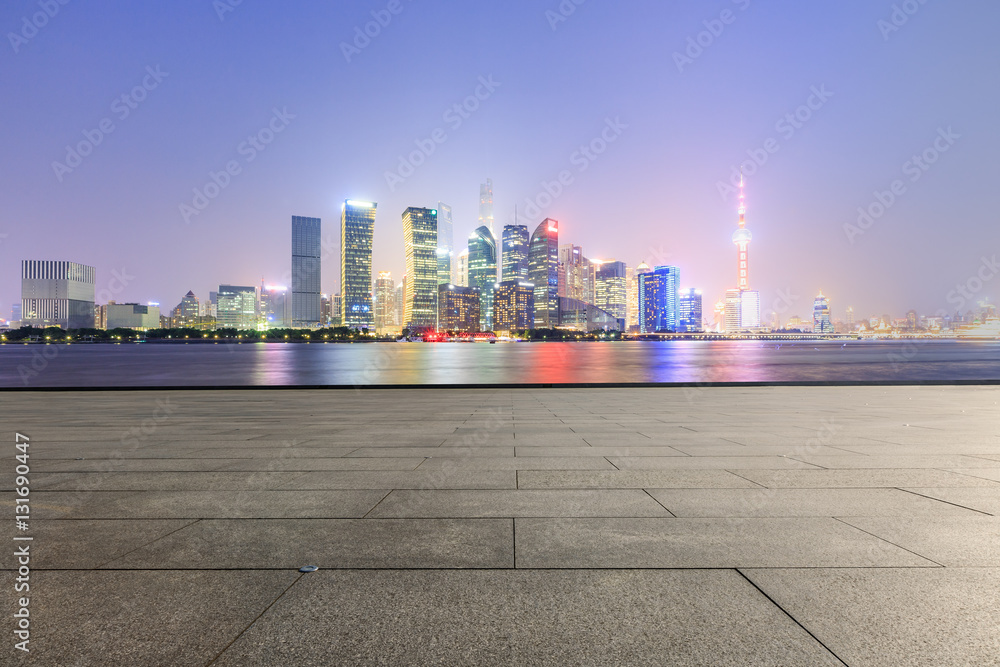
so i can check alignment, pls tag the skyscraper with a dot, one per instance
(658, 299)
(57, 294)
(483, 272)
(821, 315)
(610, 289)
(486, 205)
(420, 247)
(749, 309)
(575, 283)
(633, 316)
(185, 314)
(275, 306)
(305, 272)
(514, 306)
(462, 268)
(357, 230)
(514, 253)
(689, 307)
(732, 321)
(742, 237)
(458, 308)
(446, 244)
(543, 272)
(385, 302)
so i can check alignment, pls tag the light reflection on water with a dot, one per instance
(155, 364)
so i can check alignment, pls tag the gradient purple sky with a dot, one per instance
(652, 195)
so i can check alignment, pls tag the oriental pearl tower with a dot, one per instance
(741, 237)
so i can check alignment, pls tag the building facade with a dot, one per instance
(133, 316)
(275, 307)
(514, 253)
(611, 289)
(483, 272)
(543, 272)
(658, 299)
(689, 307)
(446, 244)
(57, 294)
(458, 308)
(357, 230)
(420, 249)
(306, 251)
(237, 307)
(486, 205)
(821, 315)
(514, 306)
(385, 303)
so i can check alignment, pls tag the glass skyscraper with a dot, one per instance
(420, 247)
(610, 289)
(483, 272)
(305, 272)
(689, 305)
(514, 306)
(385, 302)
(658, 299)
(821, 315)
(458, 308)
(514, 253)
(237, 307)
(543, 272)
(486, 204)
(446, 245)
(357, 229)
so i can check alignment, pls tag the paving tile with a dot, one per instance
(160, 481)
(955, 541)
(312, 464)
(984, 473)
(460, 504)
(142, 617)
(73, 544)
(456, 452)
(330, 543)
(801, 503)
(245, 504)
(757, 450)
(525, 618)
(598, 451)
(441, 478)
(814, 479)
(630, 479)
(694, 543)
(707, 463)
(861, 461)
(519, 463)
(890, 617)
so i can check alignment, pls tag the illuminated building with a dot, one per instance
(574, 281)
(336, 311)
(610, 289)
(742, 237)
(658, 299)
(458, 308)
(514, 253)
(821, 315)
(732, 322)
(185, 314)
(385, 302)
(483, 272)
(306, 304)
(275, 307)
(543, 272)
(514, 306)
(462, 268)
(689, 310)
(236, 308)
(582, 316)
(850, 318)
(133, 316)
(400, 298)
(445, 244)
(749, 309)
(57, 294)
(420, 248)
(486, 205)
(357, 230)
(632, 296)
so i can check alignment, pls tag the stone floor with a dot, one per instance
(675, 526)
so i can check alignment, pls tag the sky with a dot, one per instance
(169, 144)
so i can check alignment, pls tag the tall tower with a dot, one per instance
(306, 261)
(420, 248)
(742, 237)
(357, 231)
(486, 205)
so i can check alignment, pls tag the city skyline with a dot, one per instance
(819, 126)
